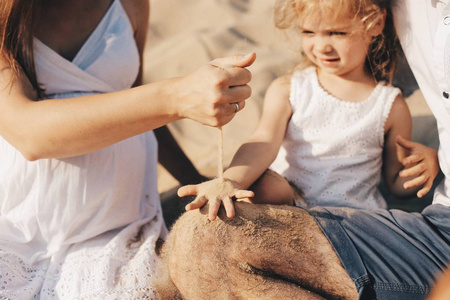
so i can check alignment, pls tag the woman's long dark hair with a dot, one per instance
(17, 23)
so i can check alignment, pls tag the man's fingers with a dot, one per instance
(413, 171)
(415, 182)
(412, 159)
(427, 187)
(404, 142)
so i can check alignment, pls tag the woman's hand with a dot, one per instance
(216, 192)
(421, 165)
(209, 94)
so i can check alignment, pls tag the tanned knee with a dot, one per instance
(272, 188)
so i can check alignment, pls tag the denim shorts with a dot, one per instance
(389, 254)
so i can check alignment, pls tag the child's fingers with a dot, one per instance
(415, 182)
(197, 203)
(412, 171)
(248, 200)
(244, 194)
(187, 190)
(229, 206)
(214, 209)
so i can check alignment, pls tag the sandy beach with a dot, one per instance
(183, 35)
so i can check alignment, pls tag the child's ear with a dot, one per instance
(378, 25)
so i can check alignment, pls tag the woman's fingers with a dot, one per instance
(210, 93)
(238, 60)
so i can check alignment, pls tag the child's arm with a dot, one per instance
(252, 158)
(421, 166)
(408, 167)
(398, 123)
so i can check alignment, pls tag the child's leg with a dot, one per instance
(272, 188)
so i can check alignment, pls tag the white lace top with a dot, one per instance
(68, 226)
(332, 150)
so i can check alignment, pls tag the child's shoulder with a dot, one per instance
(284, 80)
(298, 76)
(280, 86)
(390, 88)
(307, 73)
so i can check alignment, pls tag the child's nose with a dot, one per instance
(323, 44)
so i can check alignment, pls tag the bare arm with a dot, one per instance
(69, 127)
(398, 123)
(251, 159)
(261, 149)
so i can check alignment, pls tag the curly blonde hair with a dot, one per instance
(383, 52)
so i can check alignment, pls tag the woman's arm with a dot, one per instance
(70, 127)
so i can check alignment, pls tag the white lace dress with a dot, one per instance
(82, 227)
(333, 149)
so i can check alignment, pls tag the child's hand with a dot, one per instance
(420, 162)
(216, 192)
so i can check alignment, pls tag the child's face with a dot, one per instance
(336, 45)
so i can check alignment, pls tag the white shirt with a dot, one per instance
(333, 149)
(423, 27)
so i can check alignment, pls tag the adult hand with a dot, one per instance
(209, 95)
(421, 164)
(216, 192)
